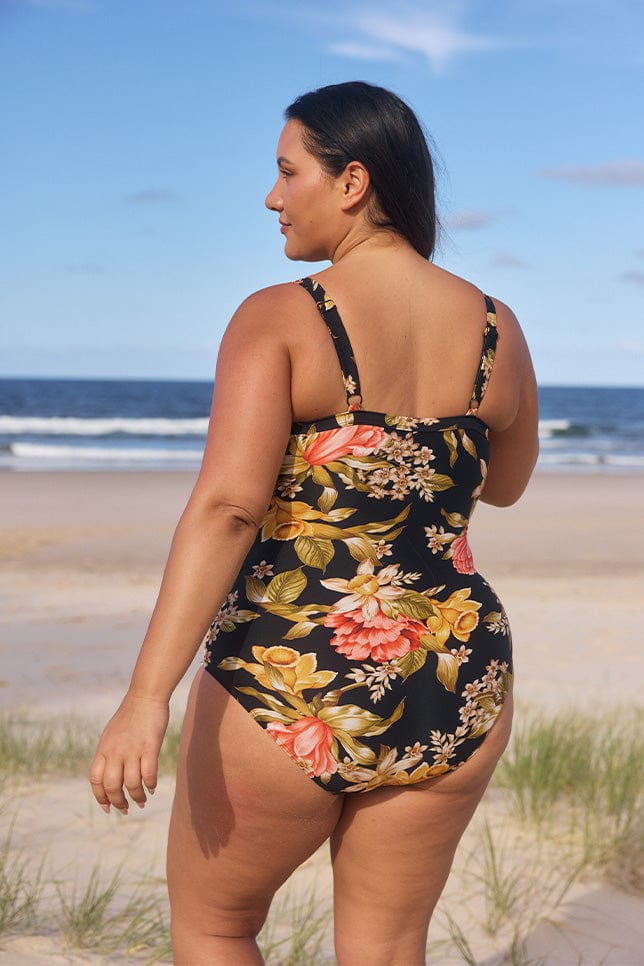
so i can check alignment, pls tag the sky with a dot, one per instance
(138, 144)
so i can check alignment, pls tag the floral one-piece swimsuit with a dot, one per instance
(358, 632)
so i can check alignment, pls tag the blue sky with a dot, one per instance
(139, 143)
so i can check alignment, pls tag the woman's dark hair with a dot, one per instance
(356, 121)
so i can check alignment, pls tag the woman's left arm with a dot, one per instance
(247, 436)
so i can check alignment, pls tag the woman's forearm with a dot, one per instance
(208, 548)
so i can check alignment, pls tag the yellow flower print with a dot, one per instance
(286, 520)
(282, 668)
(367, 588)
(456, 616)
(389, 769)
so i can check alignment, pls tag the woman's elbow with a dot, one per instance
(504, 487)
(502, 496)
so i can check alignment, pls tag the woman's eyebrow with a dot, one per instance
(283, 160)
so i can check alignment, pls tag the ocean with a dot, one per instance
(101, 424)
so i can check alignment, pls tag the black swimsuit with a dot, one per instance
(358, 633)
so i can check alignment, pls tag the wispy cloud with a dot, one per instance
(153, 196)
(358, 51)
(436, 35)
(608, 173)
(470, 218)
(634, 277)
(508, 260)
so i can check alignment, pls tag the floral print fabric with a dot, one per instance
(358, 633)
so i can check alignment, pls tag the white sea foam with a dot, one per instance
(77, 426)
(34, 452)
(568, 459)
(548, 427)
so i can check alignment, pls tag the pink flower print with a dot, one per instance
(307, 740)
(378, 637)
(332, 444)
(462, 555)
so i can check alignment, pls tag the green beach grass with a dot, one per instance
(565, 804)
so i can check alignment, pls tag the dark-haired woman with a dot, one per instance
(357, 419)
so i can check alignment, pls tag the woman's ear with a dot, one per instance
(355, 184)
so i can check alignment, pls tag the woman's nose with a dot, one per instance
(272, 200)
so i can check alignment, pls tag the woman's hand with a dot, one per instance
(128, 752)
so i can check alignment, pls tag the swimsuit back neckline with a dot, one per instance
(351, 378)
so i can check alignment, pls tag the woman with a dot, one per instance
(357, 634)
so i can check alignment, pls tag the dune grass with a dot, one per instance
(107, 915)
(60, 746)
(583, 760)
(585, 773)
(296, 930)
(565, 803)
(21, 888)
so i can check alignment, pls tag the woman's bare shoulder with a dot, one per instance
(283, 295)
(510, 332)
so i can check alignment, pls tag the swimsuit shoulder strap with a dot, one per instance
(341, 343)
(490, 336)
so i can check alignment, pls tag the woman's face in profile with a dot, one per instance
(305, 198)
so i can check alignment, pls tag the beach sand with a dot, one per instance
(81, 555)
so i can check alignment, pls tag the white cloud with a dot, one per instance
(608, 173)
(380, 31)
(468, 219)
(434, 35)
(363, 51)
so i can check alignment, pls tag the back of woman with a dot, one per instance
(358, 417)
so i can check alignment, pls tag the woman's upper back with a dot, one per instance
(417, 336)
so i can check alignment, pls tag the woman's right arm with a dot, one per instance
(512, 405)
(247, 436)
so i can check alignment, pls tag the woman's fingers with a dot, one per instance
(134, 782)
(96, 782)
(113, 784)
(127, 756)
(110, 777)
(149, 770)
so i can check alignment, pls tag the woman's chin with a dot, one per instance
(299, 255)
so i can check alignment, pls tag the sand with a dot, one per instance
(81, 555)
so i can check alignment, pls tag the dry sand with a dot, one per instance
(81, 555)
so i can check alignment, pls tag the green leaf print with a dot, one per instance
(327, 498)
(440, 481)
(301, 629)
(414, 605)
(231, 664)
(452, 444)
(468, 445)
(447, 671)
(286, 587)
(411, 662)
(357, 751)
(314, 551)
(255, 590)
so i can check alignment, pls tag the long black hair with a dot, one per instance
(356, 121)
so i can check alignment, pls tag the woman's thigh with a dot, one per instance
(244, 816)
(392, 850)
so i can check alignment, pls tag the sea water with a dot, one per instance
(90, 424)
